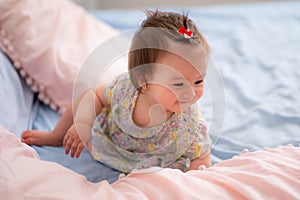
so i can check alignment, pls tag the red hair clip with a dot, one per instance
(186, 33)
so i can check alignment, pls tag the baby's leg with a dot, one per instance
(50, 138)
(41, 138)
(55, 137)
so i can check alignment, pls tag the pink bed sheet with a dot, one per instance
(265, 174)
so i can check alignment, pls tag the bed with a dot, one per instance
(251, 105)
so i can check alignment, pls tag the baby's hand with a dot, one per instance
(73, 142)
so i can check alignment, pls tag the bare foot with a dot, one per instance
(40, 138)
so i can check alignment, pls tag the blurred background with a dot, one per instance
(115, 4)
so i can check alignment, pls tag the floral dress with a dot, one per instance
(121, 144)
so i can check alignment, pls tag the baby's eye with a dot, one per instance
(178, 84)
(198, 82)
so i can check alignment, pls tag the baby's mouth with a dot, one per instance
(185, 101)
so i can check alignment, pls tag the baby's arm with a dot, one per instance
(86, 110)
(204, 160)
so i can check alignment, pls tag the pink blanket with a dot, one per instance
(266, 174)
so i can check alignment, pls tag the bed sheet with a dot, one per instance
(255, 49)
(255, 175)
(15, 98)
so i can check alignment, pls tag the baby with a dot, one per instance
(149, 115)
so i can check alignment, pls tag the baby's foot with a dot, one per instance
(39, 138)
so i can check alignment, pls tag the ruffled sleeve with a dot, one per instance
(108, 90)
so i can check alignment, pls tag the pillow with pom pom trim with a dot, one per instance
(48, 42)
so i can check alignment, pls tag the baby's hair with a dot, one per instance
(151, 41)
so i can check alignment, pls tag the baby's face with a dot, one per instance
(178, 82)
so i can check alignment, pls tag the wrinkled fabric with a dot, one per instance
(266, 174)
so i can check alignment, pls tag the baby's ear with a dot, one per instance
(141, 86)
(141, 80)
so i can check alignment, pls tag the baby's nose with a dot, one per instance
(189, 94)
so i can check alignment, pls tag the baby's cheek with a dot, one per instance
(199, 93)
(169, 96)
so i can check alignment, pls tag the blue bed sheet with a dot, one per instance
(255, 50)
(15, 98)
